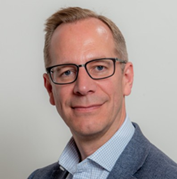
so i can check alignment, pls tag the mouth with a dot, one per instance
(88, 108)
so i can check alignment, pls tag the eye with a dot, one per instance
(67, 73)
(99, 68)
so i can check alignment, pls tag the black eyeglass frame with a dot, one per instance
(48, 69)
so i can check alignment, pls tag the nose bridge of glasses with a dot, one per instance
(83, 65)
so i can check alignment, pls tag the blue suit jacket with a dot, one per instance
(139, 160)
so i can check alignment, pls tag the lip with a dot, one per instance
(88, 108)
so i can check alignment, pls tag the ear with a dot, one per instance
(48, 86)
(128, 75)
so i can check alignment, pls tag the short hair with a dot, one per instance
(73, 14)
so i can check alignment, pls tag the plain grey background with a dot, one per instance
(32, 134)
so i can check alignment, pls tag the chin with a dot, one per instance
(90, 131)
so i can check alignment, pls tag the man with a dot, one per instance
(88, 76)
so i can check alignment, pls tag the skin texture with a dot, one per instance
(93, 109)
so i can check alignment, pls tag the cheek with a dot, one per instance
(112, 89)
(117, 97)
(116, 91)
(61, 95)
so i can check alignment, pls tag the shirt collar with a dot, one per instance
(71, 154)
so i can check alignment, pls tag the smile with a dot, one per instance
(86, 108)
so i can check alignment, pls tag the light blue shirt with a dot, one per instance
(101, 162)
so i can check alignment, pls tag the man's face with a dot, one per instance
(90, 108)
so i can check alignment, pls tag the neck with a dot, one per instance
(87, 145)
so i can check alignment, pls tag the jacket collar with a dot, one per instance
(132, 158)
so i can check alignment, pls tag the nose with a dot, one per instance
(84, 84)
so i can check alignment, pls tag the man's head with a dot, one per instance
(92, 108)
(74, 14)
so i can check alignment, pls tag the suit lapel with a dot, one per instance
(132, 158)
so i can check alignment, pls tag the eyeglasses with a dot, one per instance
(97, 69)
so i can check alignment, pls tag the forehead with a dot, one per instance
(81, 39)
